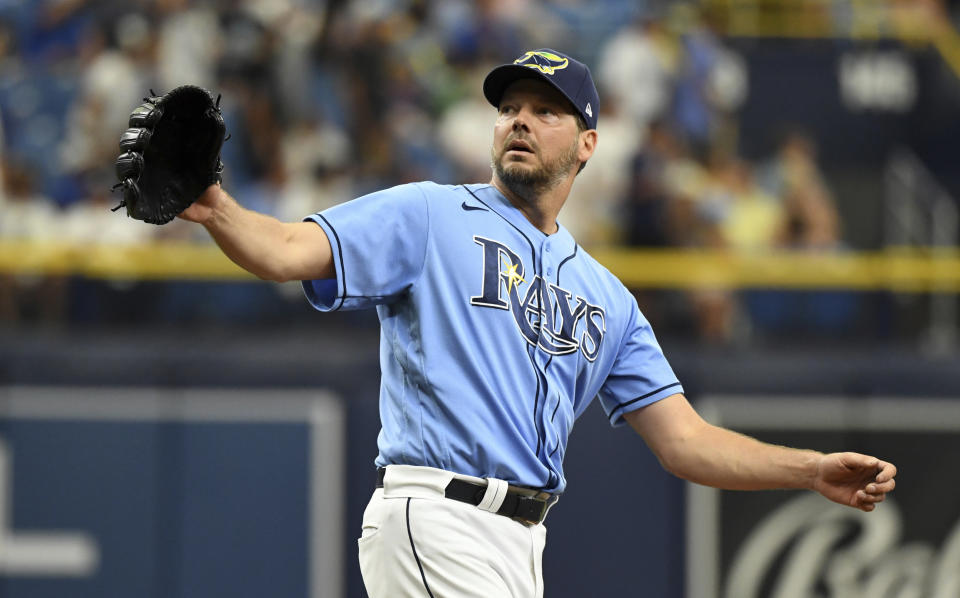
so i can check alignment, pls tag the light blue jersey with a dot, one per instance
(494, 336)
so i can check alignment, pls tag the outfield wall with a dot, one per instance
(189, 465)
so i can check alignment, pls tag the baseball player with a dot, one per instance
(497, 331)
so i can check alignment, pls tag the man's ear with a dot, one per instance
(588, 144)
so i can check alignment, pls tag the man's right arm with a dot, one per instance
(260, 244)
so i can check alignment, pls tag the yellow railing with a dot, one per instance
(147, 261)
(892, 270)
(900, 270)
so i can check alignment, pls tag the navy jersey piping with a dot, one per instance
(533, 253)
(531, 355)
(343, 272)
(640, 398)
(366, 296)
(576, 247)
(553, 415)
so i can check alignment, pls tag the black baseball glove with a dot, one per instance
(171, 153)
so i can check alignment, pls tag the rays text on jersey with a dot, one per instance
(542, 312)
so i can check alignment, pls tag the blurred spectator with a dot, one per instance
(188, 43)
(747, 218)
(636, 70)
(488, 30)
(28, 217)
(251, 105)
(734, 214)
(52, 30)
(419, 52)
(91, 222)
(369, 98)
(592, 212)
(8, 49)
(116, 76)
(711, 84)
(467, 125)
(26, 213)
(658, 209)
(316, 157)
(297, 79)
(812, 221)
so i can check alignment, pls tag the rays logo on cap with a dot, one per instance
(545, 62)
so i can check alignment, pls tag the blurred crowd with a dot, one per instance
(327, 101)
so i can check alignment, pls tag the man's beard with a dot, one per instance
(528, 184)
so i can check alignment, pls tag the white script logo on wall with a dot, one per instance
(805, 544)
(798, 544)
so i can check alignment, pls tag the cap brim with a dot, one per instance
(501, 77)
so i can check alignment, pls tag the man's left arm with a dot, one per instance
(695, 450)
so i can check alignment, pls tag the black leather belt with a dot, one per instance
(529, 510)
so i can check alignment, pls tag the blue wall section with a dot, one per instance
(618, 530)
(100, 479)
(244, 508)
(177, 510)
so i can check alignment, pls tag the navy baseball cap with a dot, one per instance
(571, 77)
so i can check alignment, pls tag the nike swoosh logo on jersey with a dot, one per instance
(467, 208)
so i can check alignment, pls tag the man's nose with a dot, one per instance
(520, 120)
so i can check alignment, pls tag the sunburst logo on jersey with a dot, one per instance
(513, 278)
(546, 62)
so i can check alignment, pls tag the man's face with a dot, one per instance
(535, 139)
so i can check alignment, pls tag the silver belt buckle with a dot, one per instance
(545, 505)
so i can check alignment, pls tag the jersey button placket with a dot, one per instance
(540, 356)
(545, 264)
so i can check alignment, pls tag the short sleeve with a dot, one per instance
(640, 374)
(379, 246)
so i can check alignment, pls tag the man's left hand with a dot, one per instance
(854, 480)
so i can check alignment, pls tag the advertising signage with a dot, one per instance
(795, 544)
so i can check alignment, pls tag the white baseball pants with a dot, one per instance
(416, 543)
